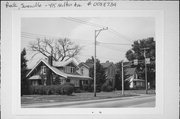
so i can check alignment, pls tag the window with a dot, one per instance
(69, 69)
(34, 83)
(72, 69)
(43, 69)
(76, 83)
(82, 71)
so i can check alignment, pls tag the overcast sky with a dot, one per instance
(121, 31)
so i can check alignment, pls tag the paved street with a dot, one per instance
(135, 101)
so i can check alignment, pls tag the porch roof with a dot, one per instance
(35, 77)
(140, 80)
(78, 77)
(132, 79)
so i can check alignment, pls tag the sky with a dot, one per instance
(112, 44)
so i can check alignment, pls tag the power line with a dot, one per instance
(111, 43)
(26, 34)
(105, 58)
(100, 26)
(86, 44)
(113, 49)
(93, 24)
(34, 36)
(83, 22)
(119, 34)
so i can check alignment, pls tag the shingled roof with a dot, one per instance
(57, 71)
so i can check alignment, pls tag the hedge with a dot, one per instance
(64, 89)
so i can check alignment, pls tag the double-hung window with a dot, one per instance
(82, 71)
(43, 69)
(69, 69)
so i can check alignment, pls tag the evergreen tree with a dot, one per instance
(24, 82)
(100, 72)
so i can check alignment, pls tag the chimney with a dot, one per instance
(50, 60)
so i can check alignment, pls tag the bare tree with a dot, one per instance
(60, 49)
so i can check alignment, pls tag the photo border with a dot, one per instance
(16, 49)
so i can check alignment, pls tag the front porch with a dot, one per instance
(78, 81)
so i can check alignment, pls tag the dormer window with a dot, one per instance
(69, 69)
(72, 69)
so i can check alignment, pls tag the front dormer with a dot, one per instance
(70, 68)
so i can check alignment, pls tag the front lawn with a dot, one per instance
(31, 99)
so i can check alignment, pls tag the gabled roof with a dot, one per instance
(64, 63)
(90, 65)
(129, 78)
(83, 64)
(57, 71)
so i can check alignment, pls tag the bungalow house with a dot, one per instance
(110, 71)
(48, 72)
(132, 78)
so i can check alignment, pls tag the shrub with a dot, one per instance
(67, 88)
(45, 90)
(77, 90)
(91, 88)
(126, 85)
(64, 89)
(85, 87)
(107, 87)
(68, 83)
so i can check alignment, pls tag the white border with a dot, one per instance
(16, 30)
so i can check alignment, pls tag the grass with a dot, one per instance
(31, 99)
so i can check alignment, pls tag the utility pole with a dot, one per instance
(97, 32)
(144, 50)
(122, 77)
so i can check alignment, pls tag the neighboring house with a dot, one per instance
(84, 71)
(132, 78)
(110, 71)
(48, 72)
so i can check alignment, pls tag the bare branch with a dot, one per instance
(60, 49)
